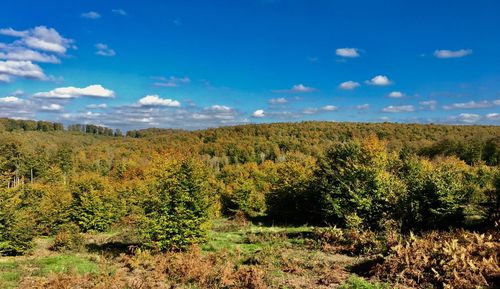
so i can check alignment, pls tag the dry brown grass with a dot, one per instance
(444, 260)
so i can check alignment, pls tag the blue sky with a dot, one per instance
(194, 64)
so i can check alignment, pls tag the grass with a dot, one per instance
(14, 269)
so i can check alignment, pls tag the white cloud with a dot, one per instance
(452, 53)
(349, 85)
(119, 12)
(12, 32)
(11, 100)
(467, 117)
(259, 113)
(97, 106)
(400, 108)
(51, 107)
(24, 69)
(20, 53)
(46, 39)
(104, 50)
(347, 52)
(156, 100)
(298, 88)
(95, 90)
(5, 78)
(280, 100)
(470, 105)
(493, 116)
(172, 81)
(363, 106)
(219, 108)
(91, 15)
(396, 94)
(329, 108)
(379, 80)
(428, 104)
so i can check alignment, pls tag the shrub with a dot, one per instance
(176, 215)
(68, 238)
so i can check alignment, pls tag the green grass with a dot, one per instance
(359, 283)
(225, 236)
(65, 264)
(12, 270)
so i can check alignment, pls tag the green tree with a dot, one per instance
(176, 214)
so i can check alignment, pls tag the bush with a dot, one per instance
(176, 215)
(16, 224)
(68, 238)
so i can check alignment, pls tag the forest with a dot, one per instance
(283, 205)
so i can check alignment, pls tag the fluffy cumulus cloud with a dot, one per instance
(396, 94)
(171, 81)
(104, 50)
(347, 52)
(156, 100)
(398, 108)
(349, 85)
(259, 113)
(444, 53)
(91, 15)
(96, 90)
(23, 69)
(39, 44)
(379, 80)
(298, 88)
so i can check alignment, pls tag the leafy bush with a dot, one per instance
(16, 224)
(458, 260)
(68, 238)
(176, 215)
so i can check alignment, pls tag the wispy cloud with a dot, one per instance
(428, 105)
(472, 104)
(119, 12)
(172, 81)
(398, 108)
(91, 15)
(444, 53)
(104, 50)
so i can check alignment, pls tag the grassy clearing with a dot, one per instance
(238, 253)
